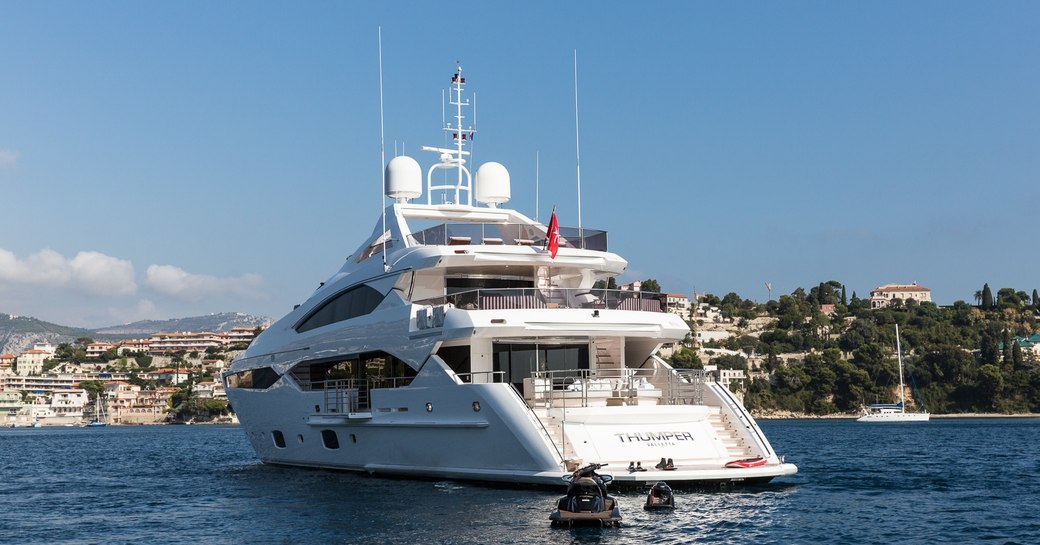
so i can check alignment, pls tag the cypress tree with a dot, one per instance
(1016, 355)
(845, 301)
(987, 297)
(988, 348)
(1007, 347)
(1036, 300)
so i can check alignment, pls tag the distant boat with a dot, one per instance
(100, 419)
(893, 412)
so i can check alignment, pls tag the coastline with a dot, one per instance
(845, 416)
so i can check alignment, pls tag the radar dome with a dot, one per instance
(403, 178)
(492, 180)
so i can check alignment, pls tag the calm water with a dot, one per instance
(946, 481)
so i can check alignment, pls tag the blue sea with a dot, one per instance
(945, 481)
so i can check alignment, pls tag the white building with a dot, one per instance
(678, 304)
(709, 336)
(883, 296)
(69, 403)
(97, 349)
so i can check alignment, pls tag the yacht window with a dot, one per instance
(328, 437)
(518, 361)
(458, 284)
(457, 358)
(377, 369)
(376, 247)
(352, 303)
(279, 439)
(253, 379)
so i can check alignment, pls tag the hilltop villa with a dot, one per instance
(883, 296)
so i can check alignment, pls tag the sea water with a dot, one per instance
(944, 481)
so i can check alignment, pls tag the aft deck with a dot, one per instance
(613, 387)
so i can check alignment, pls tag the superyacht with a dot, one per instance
(465, 340)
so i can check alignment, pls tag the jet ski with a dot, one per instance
(587, 502)
(660, 497)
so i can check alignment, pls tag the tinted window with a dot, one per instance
(329, 438)
(279, 439)
(255, 379)
(352, 303)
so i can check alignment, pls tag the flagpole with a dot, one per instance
(577, 147)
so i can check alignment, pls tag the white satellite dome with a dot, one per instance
(403, 178)
(492, 180)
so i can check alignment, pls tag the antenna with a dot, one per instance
(382, 152)
(536, 173)
(454, 158)
(577, 147)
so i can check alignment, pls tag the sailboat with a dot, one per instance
(100, 419)
(893, 412)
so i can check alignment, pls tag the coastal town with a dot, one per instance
(174, 377)
(166, 378)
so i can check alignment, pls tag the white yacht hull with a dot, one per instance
(894, 417)
(502, 442)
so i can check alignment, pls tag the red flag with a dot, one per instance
(552, 237)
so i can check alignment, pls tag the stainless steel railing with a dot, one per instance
(530, 298)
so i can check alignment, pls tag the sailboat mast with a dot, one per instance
(899, 355)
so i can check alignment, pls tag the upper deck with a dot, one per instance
(506, 234)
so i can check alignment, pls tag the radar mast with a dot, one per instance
(454, 158)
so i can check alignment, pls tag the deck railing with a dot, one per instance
(353, 395)
(528, 298)
(506, 234)
(612, 386)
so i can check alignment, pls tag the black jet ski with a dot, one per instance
(660, 497)
(587, 502)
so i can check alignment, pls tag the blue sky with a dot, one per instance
(167, 159)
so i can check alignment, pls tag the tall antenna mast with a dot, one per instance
(577, 147)
(536, 175)
(454, 158)
(382, 152)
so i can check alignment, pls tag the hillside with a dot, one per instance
(18, 334)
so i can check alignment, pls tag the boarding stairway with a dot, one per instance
(736, 447)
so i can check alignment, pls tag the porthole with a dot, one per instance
(300, 438)
(279, 439)
(476, 406)
(353, 438)
(429, 407)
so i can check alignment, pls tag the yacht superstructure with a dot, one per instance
(454, 343)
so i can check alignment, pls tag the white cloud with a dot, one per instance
(177, 282)
(91, 273)
(98, 274)
(8, 158)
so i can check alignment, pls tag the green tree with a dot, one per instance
(990, 386)
(215, 406)
(686, 358)
(650, 286)
(1005, 343)
(987, 297)
(988, 351)
(94, 388)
